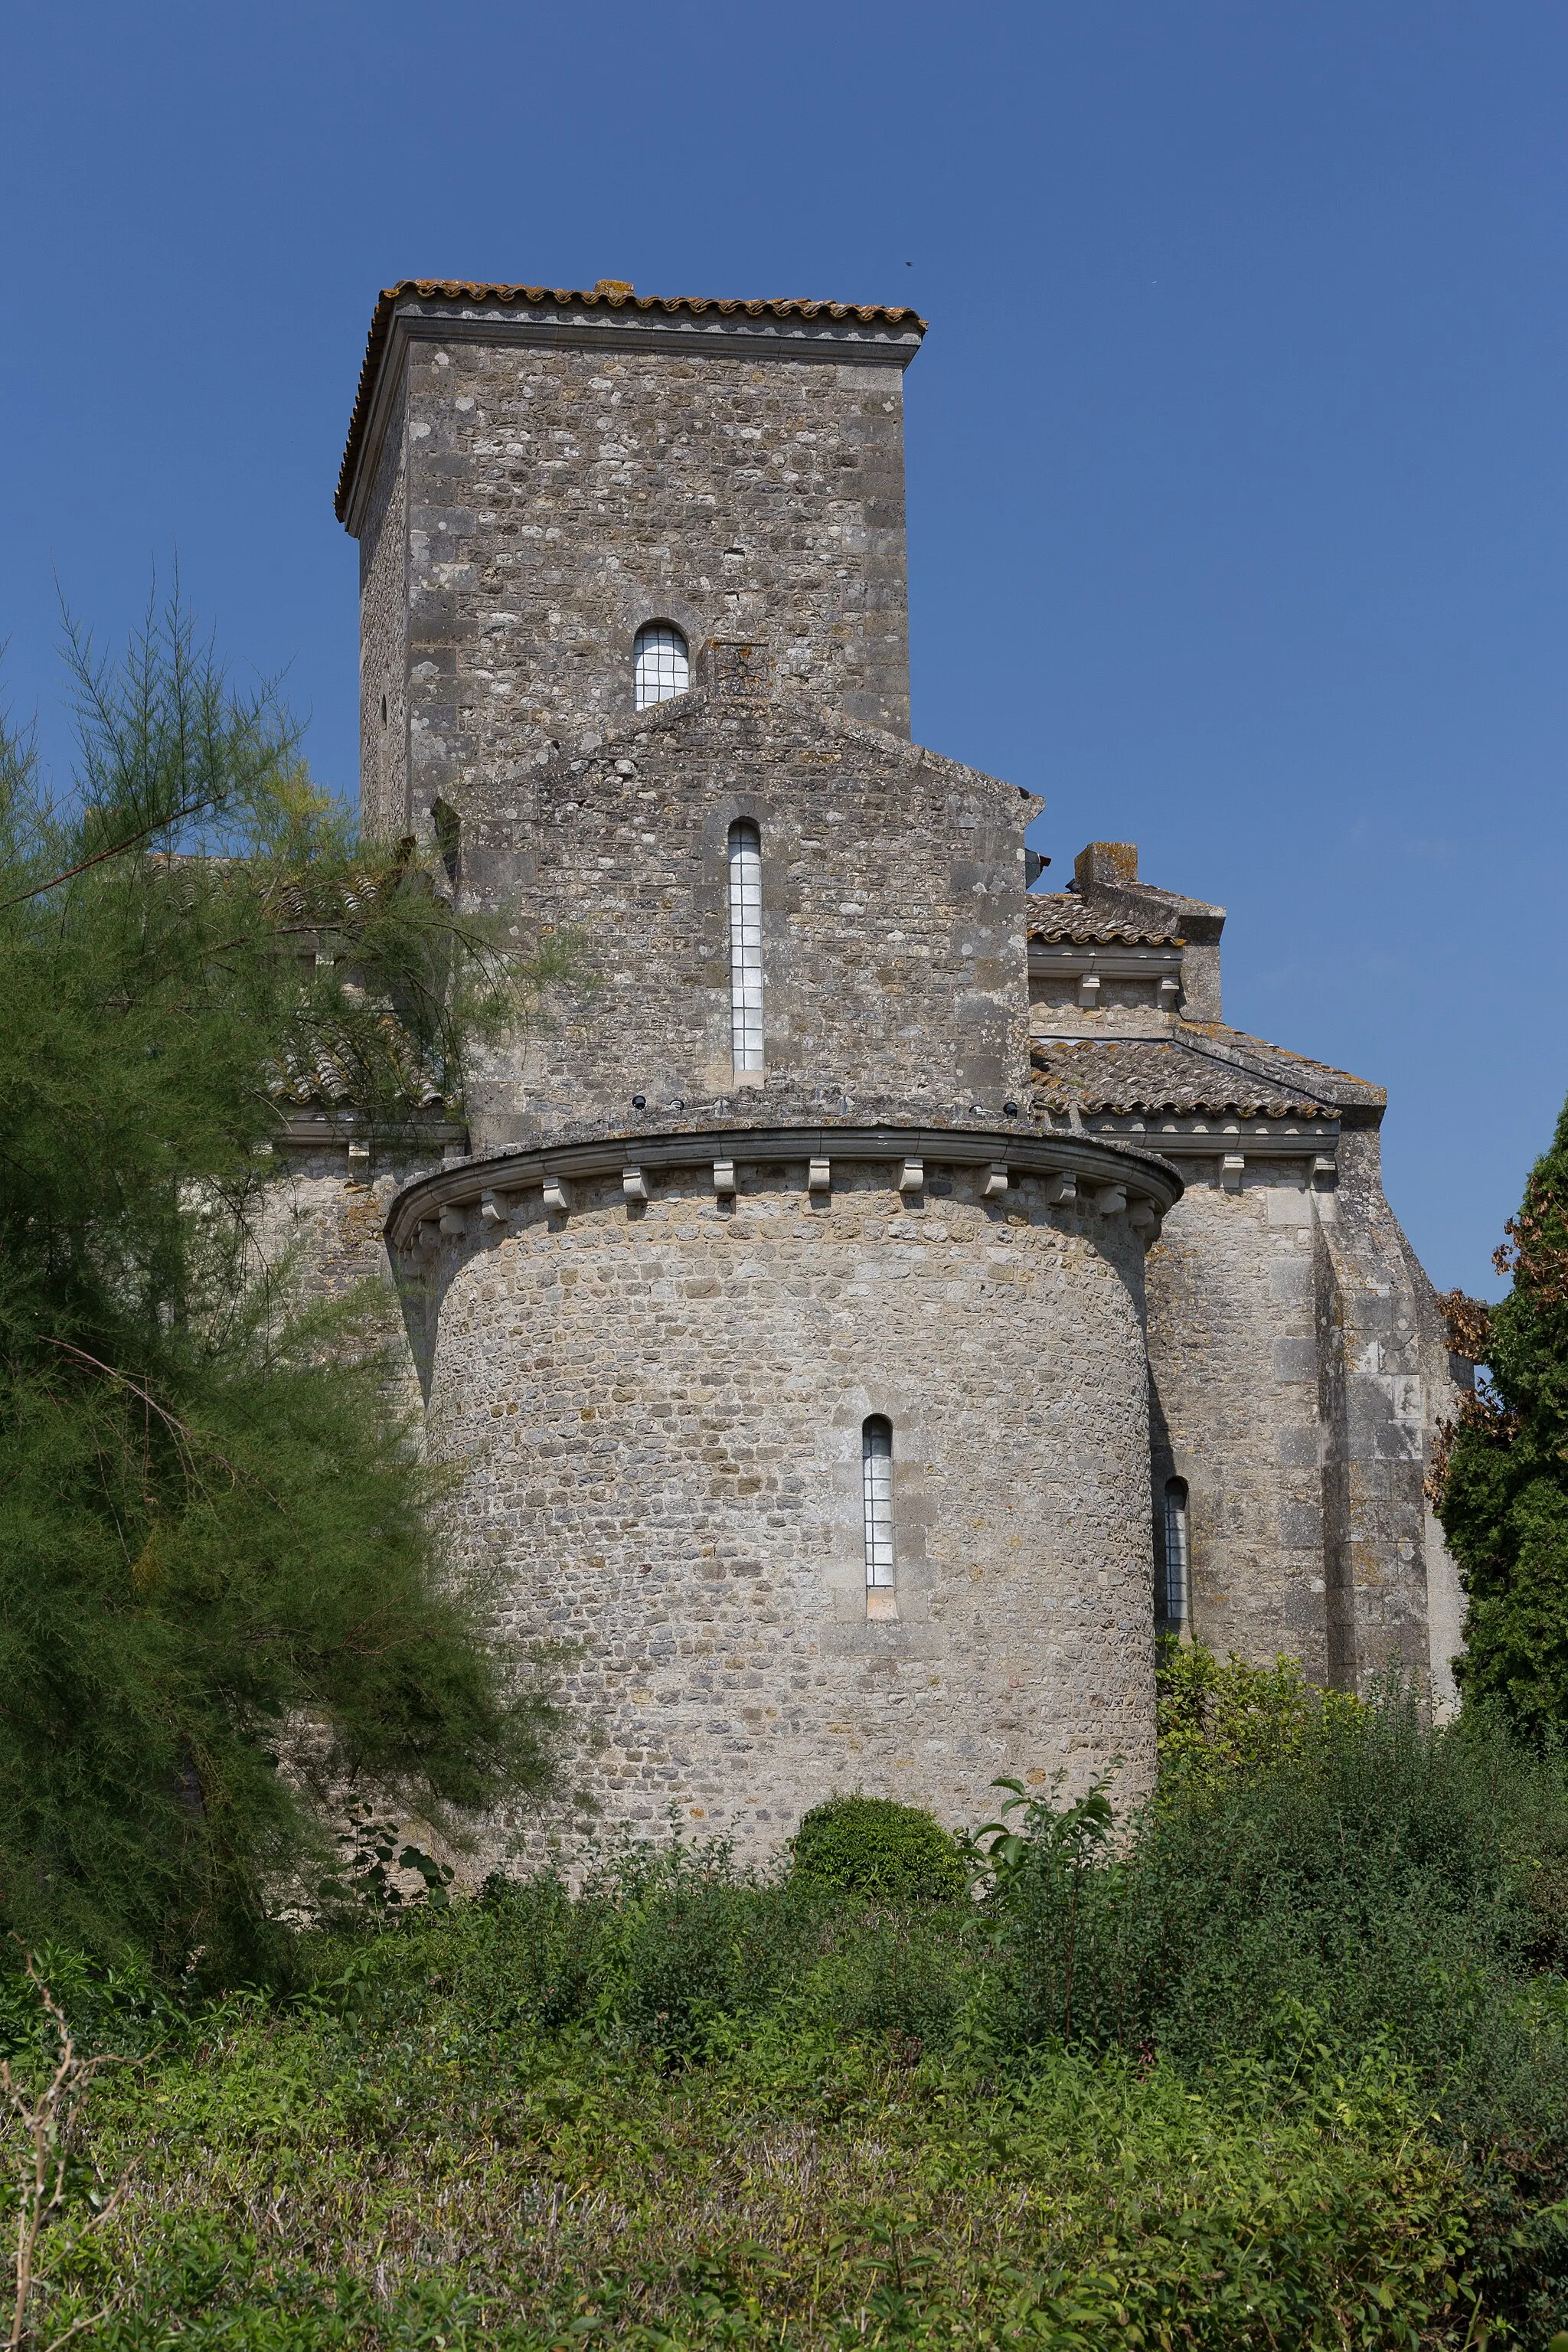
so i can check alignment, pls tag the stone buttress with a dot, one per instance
(1299, 1363)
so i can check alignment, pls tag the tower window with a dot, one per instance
(660, 669)
(1172, 1597)
(877, 1478)
(746, 945)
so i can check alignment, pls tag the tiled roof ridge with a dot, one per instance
(1170, 1094)
(623, 297)
(1087, 933)
(609, 297)
(1309, 1088)
(1219, 1034)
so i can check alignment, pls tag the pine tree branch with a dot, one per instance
(117, 849)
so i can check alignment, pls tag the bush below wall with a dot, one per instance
(1287, 2064)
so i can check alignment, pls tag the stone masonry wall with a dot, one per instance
(1232, 1357)
(893, 952)
(383, 668)
(560, 497)
(660, 1411)
(1370, 1336)
(1298, 1370)
(322, 1225)
(1445, 1380)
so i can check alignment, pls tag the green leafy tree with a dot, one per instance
(223, 1597)
(1500, 1484)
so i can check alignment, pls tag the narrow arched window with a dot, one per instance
(877, 1480)
(746, 945)
(660, 669)
(1174, 1576)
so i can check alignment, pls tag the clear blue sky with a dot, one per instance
(1237, 452)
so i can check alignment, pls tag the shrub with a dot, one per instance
(1220, 1719)
(871, 1845)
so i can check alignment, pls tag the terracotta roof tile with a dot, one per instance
(1084, 929)
(1199, 1068)
(610, 296)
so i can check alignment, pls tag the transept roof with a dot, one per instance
(1197, 1066)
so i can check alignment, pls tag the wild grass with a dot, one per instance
(1308, 2089)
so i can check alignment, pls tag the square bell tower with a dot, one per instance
(536, 477)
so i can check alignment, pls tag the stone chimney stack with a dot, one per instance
(1106, 865)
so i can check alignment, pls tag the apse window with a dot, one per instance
(660, 667)
(1174, 1572)
(877, 1490)
(745, 946)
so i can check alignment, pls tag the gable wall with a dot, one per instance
(894, 962)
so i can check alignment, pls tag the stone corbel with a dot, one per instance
(995, 1180)
(912, 1176)
(1110, 1200)
(1324, 1171)
(633, 1184)
(454, 1221)
(495, 1208)
(557, 1195)
(820, 1176)
(725, 1183)
(1230, 1169)
(1089, 989)
(1061, 1192)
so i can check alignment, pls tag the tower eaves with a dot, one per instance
(789, 328)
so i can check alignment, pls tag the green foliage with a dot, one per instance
(1386, 1885)
(214, 1533)
(689, 2107)
(870, 1845)
(314, 2173)
(1217, 1719)
(1503, 1496)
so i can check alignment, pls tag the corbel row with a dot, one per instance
(498, 1207)
(1167, 995)
(1233, 1167)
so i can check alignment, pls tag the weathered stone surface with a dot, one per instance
(655, 1384)
(661, 1409)
(543, 499)
(1234, 1410)
(893, 908)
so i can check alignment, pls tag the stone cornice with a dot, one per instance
(1104, 1167)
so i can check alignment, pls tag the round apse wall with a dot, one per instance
(661, 1411)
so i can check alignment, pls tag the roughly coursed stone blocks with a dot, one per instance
(662, 1423)
(653, 1371)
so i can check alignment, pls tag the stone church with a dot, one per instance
(881, 1295)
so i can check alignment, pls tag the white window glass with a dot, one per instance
(877, 1477)
(746, 946)
(1175, 1597)
(660, 669)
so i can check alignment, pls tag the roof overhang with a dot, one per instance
(1138, 1171)
(442, 312)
